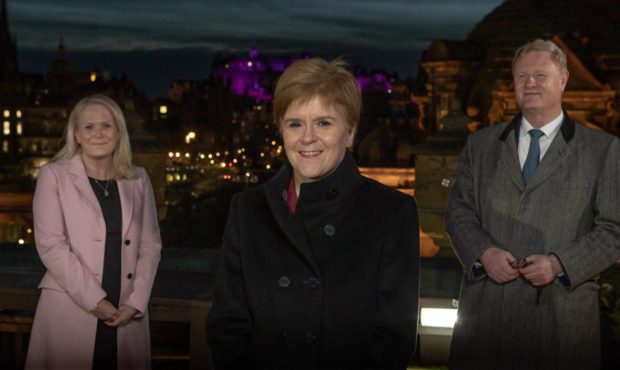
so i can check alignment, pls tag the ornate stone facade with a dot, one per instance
(477, 71)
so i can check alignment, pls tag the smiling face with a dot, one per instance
(97, 133)
(316, 138)
(539, 84)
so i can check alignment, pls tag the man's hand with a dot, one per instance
(497, 264)
(125, 315)
(541, 269)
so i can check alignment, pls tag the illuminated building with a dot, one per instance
(477, 71)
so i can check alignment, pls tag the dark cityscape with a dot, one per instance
(196, 80)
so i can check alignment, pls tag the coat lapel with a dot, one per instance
(557, 154)
(80, 180)
(508, 153)
(559, 151)
(126, 190)
(275, 191)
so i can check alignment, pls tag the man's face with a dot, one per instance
(539, 83)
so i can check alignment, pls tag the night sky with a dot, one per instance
(155, 42)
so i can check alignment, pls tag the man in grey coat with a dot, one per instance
(534, 217)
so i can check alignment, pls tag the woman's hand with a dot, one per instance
(124, 315)
(105, 310)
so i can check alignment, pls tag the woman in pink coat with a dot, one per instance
(97, 234)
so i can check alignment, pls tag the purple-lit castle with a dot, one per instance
(253, 76)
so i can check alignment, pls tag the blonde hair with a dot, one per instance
(557, 55)
(121, 158)
(330, 81)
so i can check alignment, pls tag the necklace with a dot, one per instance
(105, 190)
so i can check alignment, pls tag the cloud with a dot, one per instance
(219, 25)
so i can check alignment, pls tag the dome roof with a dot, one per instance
(588, 27)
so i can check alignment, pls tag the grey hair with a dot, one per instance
(557, 55)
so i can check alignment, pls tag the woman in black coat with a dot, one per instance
(320, 265)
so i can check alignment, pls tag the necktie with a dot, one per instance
(533, 156)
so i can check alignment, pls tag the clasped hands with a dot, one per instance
(502, 267)
(113, 316)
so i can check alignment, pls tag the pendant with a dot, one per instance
(106, 193)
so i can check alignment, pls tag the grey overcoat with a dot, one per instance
(571, 208)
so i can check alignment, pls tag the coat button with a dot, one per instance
(285, 195)
(129, 276)
(331, 194)
(329, 229)
(309, 338)
(127, 241)
(312, 282)
(281, 338)
(284, 281)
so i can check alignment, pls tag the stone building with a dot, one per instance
(477, 70)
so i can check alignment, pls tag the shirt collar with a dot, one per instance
(550, 129)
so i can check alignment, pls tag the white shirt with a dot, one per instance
(550, 130)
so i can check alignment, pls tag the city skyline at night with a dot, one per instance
(155, 42)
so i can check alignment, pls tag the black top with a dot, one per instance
(105, 355)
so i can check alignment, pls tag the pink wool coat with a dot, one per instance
(70, 237)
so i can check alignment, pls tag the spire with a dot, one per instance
(60, 51)
(4, 23)
(8, 48)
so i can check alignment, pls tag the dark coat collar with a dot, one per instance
(567, 128)
(336, 186)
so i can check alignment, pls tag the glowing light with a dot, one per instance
(93, 76)
(438, 317)
(163, 109)
(177, 154)
(262, 154)
(268, 166)
(202, 156)
(19, 128)
(247, 174)
(273, 142)
(170, 154)
(217, 154)
(6, 113)
(212, 161)
(18, 114)
(20, 241)
(187, 155)
(210, 156)
(29, 230)
(223, 164)
(234, 160)
(189, 137)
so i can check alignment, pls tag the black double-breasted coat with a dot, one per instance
(333, 286)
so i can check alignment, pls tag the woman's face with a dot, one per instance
(316, 138)
(96, 132)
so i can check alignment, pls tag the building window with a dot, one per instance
(6, 128)
(19, 128)
(6, 113)
(5, 146)
(18, 114)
